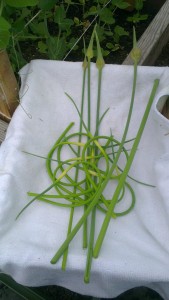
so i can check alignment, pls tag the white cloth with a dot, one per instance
(135, 251)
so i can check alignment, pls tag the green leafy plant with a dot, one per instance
(12, 20)
(52, 29)
(138, 16)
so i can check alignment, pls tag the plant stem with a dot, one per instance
(93, 217)
(88, 98)
(64, 261)
(89, 55)
(125, 172)
(49, 157)
(49, 171)
(94, 201)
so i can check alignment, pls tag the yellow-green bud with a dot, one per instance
(89, 52)
(85, 64)
(135, 54)
(100, 63)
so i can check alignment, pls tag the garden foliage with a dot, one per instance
(52, 28)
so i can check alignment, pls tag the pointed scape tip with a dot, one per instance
(100, 63)
(89, 52)
(100, 60)
(135, 52)
(134, 38)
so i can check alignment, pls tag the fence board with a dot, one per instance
(3, 128)
(154, 38)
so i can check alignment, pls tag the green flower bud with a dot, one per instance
(100, 63)
(135, 54)
(89, 52)
(85, 64)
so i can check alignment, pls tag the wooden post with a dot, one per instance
(8, 88)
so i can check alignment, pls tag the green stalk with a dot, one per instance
(49, 172)
(50, 187)
(85, 242)
(88, 97)
(50, 154)
(85, 234)
(89, 55)
(99, 64)
(97, 194)
(80, 223)
(125, 172)
(64, 261)
(65, 254)
(93, 216)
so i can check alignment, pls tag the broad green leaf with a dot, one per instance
(120, 31)
(18, 26)
(93, 9)
(47, 4)
(38, 28)
(25, 13)
(114, 47)
(24, 292)
(108, 33)
(109, 45)
(21, 3)
(56, 47)
(4, 38)
(143, 17)
(100, 33)
(4, 25)
(136, 18)
(59, 15)
(66, 24)
(105, 52)
(42, 47)
(60, 18)
(106, 16)
(138, 4)
(120, 4)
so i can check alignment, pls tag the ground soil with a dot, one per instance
(29, 49)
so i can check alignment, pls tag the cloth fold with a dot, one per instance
(135, 251)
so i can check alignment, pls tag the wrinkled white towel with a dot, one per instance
(135, 251)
